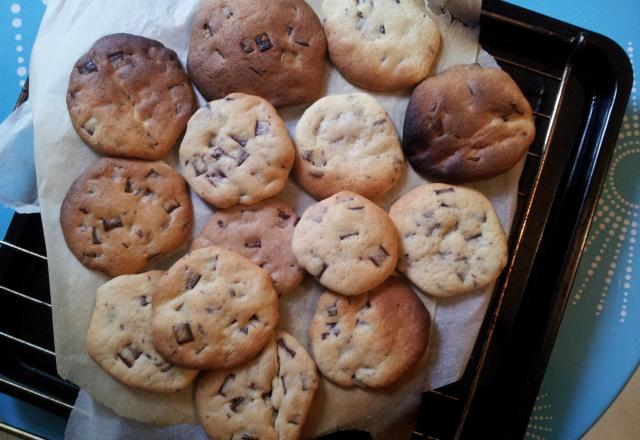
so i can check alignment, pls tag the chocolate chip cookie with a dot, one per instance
(236, 150)
(384, 45)
(260, 232)
(466, 124)
(276, 52)
(119, 336)
(347, 142)
(129, 97)
(369, 340)
(451, 240)
(347, 242)
(266, 398)
(120, 214)
(213, 309)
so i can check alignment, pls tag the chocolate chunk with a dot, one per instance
(218, 153)
(284, 386)
(192, 280)
(235, 403)
(109, 224)
(283, 215)
(444, 205)
(127, 185)
(353, 234)
(152, 256)
(263, 42)
(129, 355)
(262, 127)
(367, 305)
(460, 276)
(227, 379)
(94, 235)
(143, 301)
(325, 336)
(217, 174)
(84, 210)
(471, 92)
(179, 307)
(333, 309)
(355, 208)
(302, 43)
(474, 236)
(152, 173)
(182, 333)
(258, 71)
(282, 344)
(171, 206)
(165, 367)
(382, 30)
(445, 190)
(87, 68)
(208, 32)
(242, 157)
(239, 139)
(307, 155)
(289, 30)
(114, 57)
(360, 322)
(199, 166)
(246, 436)
(379, 257)
(516, 109)
(246, 47)
(253, 244)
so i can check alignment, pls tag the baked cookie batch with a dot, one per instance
(216, 308)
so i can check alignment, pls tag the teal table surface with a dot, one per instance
(596, 350)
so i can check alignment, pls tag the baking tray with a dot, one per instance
(578, 83)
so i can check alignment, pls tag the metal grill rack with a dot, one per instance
(577, 83)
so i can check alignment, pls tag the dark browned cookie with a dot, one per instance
(466, 124)
(129, 96)
(260, 232)
(275, 51)
(122, 213)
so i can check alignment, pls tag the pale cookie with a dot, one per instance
(347, 142)
(120, 214)
(213, 309)
(119, 337)
(236, 150)
(267, 398)
(451, 240)
(467, 123)
(369, 340)
(382, 45)
(260, 232)
(347, 242)
(129, 96)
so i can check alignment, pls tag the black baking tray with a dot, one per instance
(578, 83)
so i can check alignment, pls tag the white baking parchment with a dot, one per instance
(68, 29)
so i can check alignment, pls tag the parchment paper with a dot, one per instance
(68, 29)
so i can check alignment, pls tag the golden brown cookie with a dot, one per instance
(467, 123)
(129, 97)
(276, 52)
(119, 336)
(266, 398)
(120, 214)
(369, 340)
(213, 309)
(260, 232)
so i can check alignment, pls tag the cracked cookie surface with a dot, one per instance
(236, 150)
(348, 243)
(260, 232)
(213, 309)
(276, 52)
(347, 142)
(466, 124)
(266, 398)
(128, 96)
(119, 336)
(369, 340)
(120, 214)
(384, 45)
(451, 240)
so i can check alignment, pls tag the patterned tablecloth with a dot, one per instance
(596, 350)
